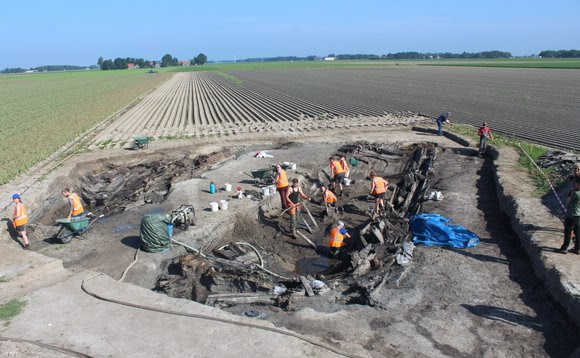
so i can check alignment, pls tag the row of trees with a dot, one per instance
(166, 61)
(560, 54)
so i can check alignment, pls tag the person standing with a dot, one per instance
(293, 197)
(572, 221)
(484, 134)
(20, 219)
(443, 118)
(337, 174)
(282, 185)
(344, 165)
(336, 237)
(378, 189)
(76, 206)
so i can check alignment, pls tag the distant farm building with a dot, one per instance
(184, 63)
(132, 66)
(329, 58)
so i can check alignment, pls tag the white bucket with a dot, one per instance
(214, 206)
(224, 204)
(228, 187)
(266, 191)
(347, 182)
(272, 189)
(293, 166)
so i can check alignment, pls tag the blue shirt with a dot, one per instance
(442, 118)
(343, 231)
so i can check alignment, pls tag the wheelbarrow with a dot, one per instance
(71, 227)
(141, 142)
(264, 176)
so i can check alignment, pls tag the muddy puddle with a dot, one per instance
(259, 264)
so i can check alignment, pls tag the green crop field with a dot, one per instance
(39, 113)
(570, 63)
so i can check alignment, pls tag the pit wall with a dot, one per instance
(538, 230)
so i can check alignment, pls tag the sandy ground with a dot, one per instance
(483, 301)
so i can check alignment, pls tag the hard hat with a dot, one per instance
(15, 196)
(340, 223)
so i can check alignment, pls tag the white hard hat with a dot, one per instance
(340, 223)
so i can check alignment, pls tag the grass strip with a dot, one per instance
(11, 309)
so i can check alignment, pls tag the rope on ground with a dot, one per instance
(189, 247)
(562, 206)
(216, 319)
(47, 346)
(135, 258)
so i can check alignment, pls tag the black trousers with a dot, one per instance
(571, 223)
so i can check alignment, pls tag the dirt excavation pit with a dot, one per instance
(258, 266)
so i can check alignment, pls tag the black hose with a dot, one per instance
(47, 346)
(217, 319)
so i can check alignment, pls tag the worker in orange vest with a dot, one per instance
(293, 197)
(337, 173)
(20, 219)
(344, 165)
(336, 237)
(76, 206)
(329, 198)
(378, 189)
(282, 185)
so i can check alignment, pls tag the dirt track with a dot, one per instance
(536, 104)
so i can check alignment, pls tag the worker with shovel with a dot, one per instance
(572, 221)
(293, 197)
(336, 238)
(20, 219)
(329, 198)
(76, 206)
(378, 189)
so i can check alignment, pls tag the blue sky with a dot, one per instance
(76, 32)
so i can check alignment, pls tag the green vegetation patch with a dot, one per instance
(561, 63)
(11, 309)
(541, 184)
(4, 279)
(41, 112)
(230, 78)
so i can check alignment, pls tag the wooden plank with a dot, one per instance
(306, 286)
(378, 235)
(310, 214)
(306, 239)
(307, 226)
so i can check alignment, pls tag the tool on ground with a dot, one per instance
(310, 214)
(306, 239)
(183, 217)
(307, 226)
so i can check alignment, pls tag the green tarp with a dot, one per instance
(154, 233)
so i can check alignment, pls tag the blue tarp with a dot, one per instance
(432, 230)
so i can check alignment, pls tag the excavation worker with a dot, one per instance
(337, 173)
(329, 197)
(293, 197)
(20, 219)
(572, 221)
(336, 238)
(76, 206)
(484, 134)
(443, 118)
(282, 185)
(378, 189)
(344, 165)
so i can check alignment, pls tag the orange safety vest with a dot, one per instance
(336, 238)
(338, 169)
(344, 165)
(329, 197)
(77, 206)
(20, 216)
(379, 185)
(282, 180)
